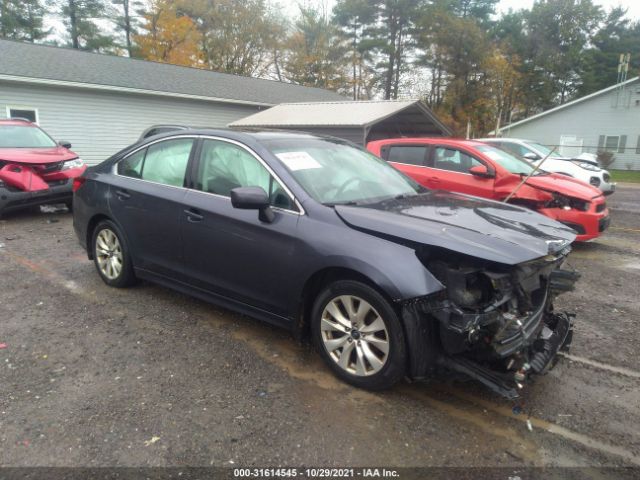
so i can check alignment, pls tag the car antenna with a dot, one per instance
(537, 167)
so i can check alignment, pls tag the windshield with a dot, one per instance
(18, 136)
(506, 160)
(540, 148)
(333, 173)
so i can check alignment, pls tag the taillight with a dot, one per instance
(77, 183)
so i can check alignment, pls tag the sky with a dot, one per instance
(290, 8)
(632, 6)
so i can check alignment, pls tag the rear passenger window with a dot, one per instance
(411, 154)
(166, 162)
(132, 165)
(453, 160)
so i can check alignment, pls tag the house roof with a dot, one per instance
(25, 62)
(341, 114)
(568, 104)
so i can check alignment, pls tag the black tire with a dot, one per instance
(395, 364)
(126, 276)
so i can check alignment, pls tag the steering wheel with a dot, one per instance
(344, 186)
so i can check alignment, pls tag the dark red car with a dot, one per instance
(479, 169)
(34, 169)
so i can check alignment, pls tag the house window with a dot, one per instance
(28, 113)
(611, 143)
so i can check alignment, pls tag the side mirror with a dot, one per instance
(64, 143)
(532, 157)
(481, 171)
(253, 198)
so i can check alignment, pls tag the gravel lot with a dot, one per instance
(94, 376)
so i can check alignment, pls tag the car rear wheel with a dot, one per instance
(111, 257)
(359, 335)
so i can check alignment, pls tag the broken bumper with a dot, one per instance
(12, 198)
(588, 225)
(496, 325)
(536, 358)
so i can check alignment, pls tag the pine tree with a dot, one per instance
(79, 16)
(22, 20)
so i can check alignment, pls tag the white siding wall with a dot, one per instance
(587, 121)
(98, 124)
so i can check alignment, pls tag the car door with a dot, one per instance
(449, 166)
(410, 159)
(146, 198)
(229, 251)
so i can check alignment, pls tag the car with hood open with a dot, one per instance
(583, 167)
(479, 169)
(318, 236)
(34, 169)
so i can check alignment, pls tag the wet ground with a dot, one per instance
(95, 376)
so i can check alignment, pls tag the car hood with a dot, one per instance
(36, 155)
(555, 182)
(469, 225)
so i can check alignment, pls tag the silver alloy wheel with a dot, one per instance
(354, 335)
(109, 254)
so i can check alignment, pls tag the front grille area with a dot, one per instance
(603, 224)
(48, 167)
(57, 183)
(601, 207)
(577, 227)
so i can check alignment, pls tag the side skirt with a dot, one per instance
(216, 299)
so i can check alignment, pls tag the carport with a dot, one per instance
(359, 122)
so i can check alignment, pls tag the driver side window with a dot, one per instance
(224, 166)
(453, 160)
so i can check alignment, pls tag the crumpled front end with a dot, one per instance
(26, 184)
(492, 322)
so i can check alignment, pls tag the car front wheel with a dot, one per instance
(359, 335)
(111, 257)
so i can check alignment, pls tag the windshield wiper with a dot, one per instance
(333, 204)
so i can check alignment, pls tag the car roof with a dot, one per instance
(429, 141)
(505, 139)
(17, 121)
(246, 134)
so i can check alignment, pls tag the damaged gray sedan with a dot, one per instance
(313, 234)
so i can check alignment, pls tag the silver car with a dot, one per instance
(573, 167)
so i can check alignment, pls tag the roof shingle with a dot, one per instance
(69, 65)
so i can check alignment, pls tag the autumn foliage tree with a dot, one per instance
(169, 37)
(315, 54)
(236, 36)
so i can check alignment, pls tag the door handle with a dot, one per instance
(194, 215)
(435, 180)
(123, 194)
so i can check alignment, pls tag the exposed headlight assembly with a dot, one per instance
(75, 163)
(567, 203)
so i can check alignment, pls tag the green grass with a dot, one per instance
(632, 176)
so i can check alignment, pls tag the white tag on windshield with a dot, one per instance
(298, 160)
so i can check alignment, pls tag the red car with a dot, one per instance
(479, 169)
(34, 169)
